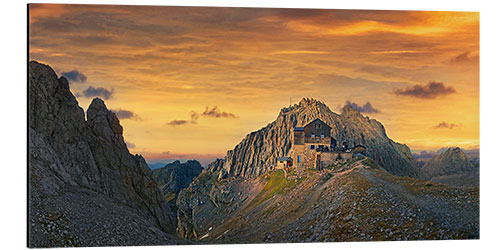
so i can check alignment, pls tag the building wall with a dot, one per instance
(329, 158)
(298, 137)
(318, 140)
(308, 156)
(345, 155)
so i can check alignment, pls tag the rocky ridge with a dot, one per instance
(71, 157)
(354, 200)
(258, 151)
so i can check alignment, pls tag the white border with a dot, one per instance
(13, 115)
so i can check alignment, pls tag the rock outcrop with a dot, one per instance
(452, 167)
(176, 175)
(258, 151)
(73, 158)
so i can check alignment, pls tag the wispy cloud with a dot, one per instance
(446, 125)
(467, 56)
(215, 112)
(175, 123)
(397, 52)
(284, 52)
(130, 144)
(429, 91)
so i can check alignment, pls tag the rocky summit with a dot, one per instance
(85, 188)
(452, 167)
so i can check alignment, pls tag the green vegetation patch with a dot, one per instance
(369, 162)
(277, 184)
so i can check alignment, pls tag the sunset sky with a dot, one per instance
(191, 82)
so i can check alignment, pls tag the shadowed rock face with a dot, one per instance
(174, 177)
(258, 151)
(67, 152)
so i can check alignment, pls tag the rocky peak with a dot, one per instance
(258, 151)
(305, 102)
(88, 155)
(450, 162)
(348, 110)
(100, 118)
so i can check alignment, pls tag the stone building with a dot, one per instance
(310, 140)
(284, 162)
(313, 146)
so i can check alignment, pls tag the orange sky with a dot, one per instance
(196, 80)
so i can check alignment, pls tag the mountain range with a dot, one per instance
(87, 189)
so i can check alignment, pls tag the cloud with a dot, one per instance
(130, 144)
(429, 91)
(93, 92)
(126, 114)
(446, 125)
(465, 57)
(175, 123)
(194, 116)
(366, 108)
(215, 112)
(75, 76)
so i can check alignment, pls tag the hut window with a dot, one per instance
(322, 135)
(299, 157)
(313, 135)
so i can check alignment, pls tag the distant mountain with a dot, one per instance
(156, 165)
(258, 151)
(175, 176)
(85, 188)
(452, 167)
